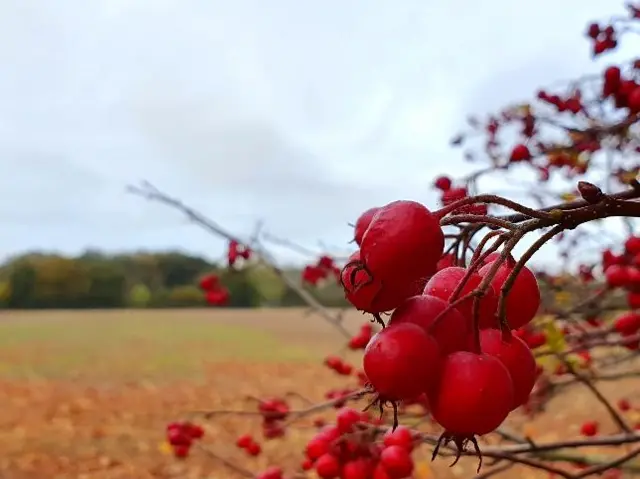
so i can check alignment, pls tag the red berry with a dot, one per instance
(217, 297)
(617, 276)
(633, 277)
(180, 451)
(520, 153)
(345, 420)
(362, 223)
(516, 357)
(244, 441)
(452, 331)
(402, 361)
(633, 300)
(632, 245)
(272, 472)
(589, 429)
(316, 447)
(397, 462)
(253, 449)
(380, 472)
(627, 324)
(357, 469)
(321, 442)
(454, 194)
(178, 437)
(401, 436)
(403, 242)
(271, 430)
(593, 30)
(327, 466)
(443, 284)
(624, 405)
(443, 183)
(209, 282)
(633, 100)
(523, 299)
(360, 340)
(446, 260)
(474, 396)
(535, 339)
(612, 76)
(195, 431)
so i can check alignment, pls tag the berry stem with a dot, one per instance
(491, 199)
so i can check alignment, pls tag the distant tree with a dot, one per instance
(5, 293)
(291, 299)
(139, 296)
(244, 293)
(178, 269)
(185, 296)
(108, 286)
(60, 282)
(142, 279)
(22, 279)
(269, 284)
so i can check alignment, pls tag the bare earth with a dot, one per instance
(88, 394)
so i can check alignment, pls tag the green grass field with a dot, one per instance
(134, 344)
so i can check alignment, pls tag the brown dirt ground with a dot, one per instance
(73, 426)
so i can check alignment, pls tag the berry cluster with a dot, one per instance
(181, 436)
(237, 251)
(348, 449)
(604, 39)
(273, 411)
(571, 151)
(338, 365)
(443, 340)
(214, 292)
(627, 325)
(360, 340)
(316, 273)
(249, 445)
(623, 271)
(532, 338)
(451, 194)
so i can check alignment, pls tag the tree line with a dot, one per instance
(96, 280)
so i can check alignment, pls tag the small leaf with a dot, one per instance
(422, 471)
(563, 298)
(634, 416)
(575, 361)
(165, 448)
(555, 337)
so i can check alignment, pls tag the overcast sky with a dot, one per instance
(300, 114)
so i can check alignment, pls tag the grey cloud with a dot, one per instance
(301, 114)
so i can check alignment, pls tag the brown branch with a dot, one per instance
(609, 465)
(151, 193)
